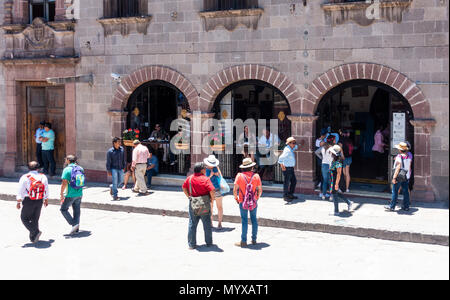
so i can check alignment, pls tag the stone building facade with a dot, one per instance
(304, 49)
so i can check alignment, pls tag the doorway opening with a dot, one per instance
(363, 107)
(41, 102)
(151, 109)
(253, 99)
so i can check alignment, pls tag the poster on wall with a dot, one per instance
(398, 128)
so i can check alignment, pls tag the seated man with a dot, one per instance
(152, 168)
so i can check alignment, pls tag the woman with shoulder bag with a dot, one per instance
(402, 174)
(214, 174)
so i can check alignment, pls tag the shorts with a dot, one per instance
(217, 193)
(347, 161)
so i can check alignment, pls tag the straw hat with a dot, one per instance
(247, 163)
(211, 161)
(402, 146)
(290, 139)
(136, 142)
(336, 150)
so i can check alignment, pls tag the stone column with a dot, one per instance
(303, 131)
(197, 134)
(118, 122)
(422, 190)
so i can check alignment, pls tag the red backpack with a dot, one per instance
(37, 189)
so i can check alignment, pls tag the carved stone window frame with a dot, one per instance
(231, 19)
(125, 25)
(338, 12)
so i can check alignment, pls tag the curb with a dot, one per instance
(398, 236)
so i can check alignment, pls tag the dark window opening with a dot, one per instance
(124, 8)
(44, 9)
(217, 5)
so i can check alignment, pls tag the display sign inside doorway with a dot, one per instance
(398, 128)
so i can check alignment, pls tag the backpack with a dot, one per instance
(250, 195)
(77, 177)
(37, 189)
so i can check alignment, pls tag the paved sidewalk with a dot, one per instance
(424, 223)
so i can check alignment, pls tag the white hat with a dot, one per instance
(336, 150)
(211, 161)
(402, 146)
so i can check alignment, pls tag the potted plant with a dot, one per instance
(217, 141)
(129, 135)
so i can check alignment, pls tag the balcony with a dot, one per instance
(364, 13)
(230, 14)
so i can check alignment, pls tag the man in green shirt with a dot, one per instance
(71, 196)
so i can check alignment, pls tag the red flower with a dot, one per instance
(129, 130)
(136, 130)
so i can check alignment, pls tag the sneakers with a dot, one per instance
(254, 242)
(192, 247)
(241, 244)
(347, 191)
(75, 229)
(388, 208)
(350, 206)
(36, 238)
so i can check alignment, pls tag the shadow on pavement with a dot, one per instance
(205, 248)
(258, 246)
(39, 244)
(81, 234)
(223, 229)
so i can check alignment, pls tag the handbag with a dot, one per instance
(402, 175)
(201, 205)
(224, 187)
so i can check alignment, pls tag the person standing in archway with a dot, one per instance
(378, 151)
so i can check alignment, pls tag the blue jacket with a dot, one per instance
(115, 159)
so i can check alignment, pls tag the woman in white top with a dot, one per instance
(402, 162)
(326, 156)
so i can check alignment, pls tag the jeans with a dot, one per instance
(244, 220)
(192, 230)
(49, 162)
(336, 197)
(395, 188)
(325, 178)
(150, 173)
(75, 202)
(31, 211)
(39, 155)
(117, 179)
(290, 181)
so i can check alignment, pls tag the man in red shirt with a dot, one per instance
(201, 186)
(247, 176)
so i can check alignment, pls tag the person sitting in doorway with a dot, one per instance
(152, 168)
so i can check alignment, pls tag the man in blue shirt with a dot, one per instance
(48, 147)
(115, 165)
(152, 168)
(37, 137)
(287, 163)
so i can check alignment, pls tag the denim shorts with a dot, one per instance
(347, 161)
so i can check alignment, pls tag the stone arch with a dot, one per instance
(230, 75)
(149, 73)
(369, 71)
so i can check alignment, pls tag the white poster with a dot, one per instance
(398, 128)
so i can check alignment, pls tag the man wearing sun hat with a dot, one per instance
(287, 162)
(247, 176)
(402, 163)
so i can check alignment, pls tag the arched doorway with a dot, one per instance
(255, 100)
(362, 107)
(151, 108)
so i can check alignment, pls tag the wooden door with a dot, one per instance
(46, 103)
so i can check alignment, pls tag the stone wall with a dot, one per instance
(298, 41)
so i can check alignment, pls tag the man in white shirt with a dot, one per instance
(32, 193)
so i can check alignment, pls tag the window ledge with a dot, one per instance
(230, 19)
(125, 25)
(338, 13)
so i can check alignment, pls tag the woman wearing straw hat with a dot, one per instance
(402, 163)
(214, 174)
(247, 177)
